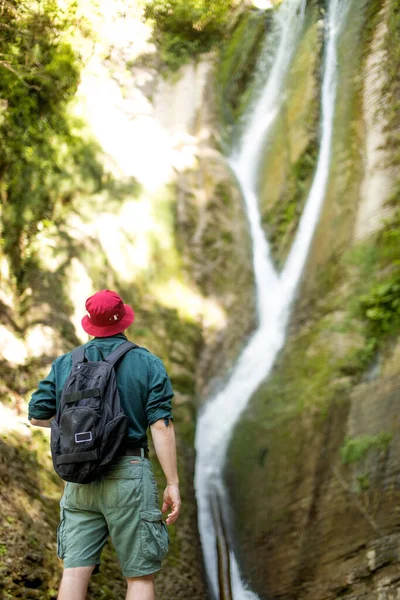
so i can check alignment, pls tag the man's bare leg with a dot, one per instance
(140, 588)
(74, 583)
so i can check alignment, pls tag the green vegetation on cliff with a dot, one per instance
(184, 29)
(289, 160)
(375, 301)
(378, 303)
(235, 70)
(354, 449)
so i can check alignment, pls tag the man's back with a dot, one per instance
(144, 387)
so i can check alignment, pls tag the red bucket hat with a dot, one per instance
(106, 314)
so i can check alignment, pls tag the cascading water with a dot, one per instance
(274, 292)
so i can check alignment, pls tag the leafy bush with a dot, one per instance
(185, 28)
(378, 303)
(39, 74)
(382, 305)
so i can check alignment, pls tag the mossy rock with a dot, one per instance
(289, 158)
(235, 70)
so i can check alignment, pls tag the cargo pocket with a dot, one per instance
(154, 534)
(61, 535)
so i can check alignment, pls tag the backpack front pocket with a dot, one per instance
(78, 428)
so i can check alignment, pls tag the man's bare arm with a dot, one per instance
(165, 446)
(40, 422)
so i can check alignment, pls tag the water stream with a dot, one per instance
(274, 292)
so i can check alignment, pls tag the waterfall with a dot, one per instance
(274, 293)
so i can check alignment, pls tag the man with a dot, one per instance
(124, 502)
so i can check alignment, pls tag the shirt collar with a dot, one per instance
(112, 337)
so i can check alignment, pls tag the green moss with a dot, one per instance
(355, 449)
(358, 361)
(236, 65)
(301, 383)
(363, 482)
(375, 298)
(223, 193)
(289, 159)
(381, 307)
(308, 375)
(281, 222)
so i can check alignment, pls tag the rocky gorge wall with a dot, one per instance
(313, 466)
(315, 456)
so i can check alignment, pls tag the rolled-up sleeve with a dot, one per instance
(159, 405)
(42, 404)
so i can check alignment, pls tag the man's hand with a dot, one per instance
(172, 498)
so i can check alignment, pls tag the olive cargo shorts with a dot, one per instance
(122, 504)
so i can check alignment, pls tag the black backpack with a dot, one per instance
(90, 429)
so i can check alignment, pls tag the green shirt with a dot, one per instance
(144, 387)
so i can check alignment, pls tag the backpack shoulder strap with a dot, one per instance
(78, 355)
(120, 351)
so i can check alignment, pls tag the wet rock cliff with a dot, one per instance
(313, 466)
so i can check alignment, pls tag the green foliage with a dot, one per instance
(382, 305)
(363, 482)
(305, 165)
(354, 449)
(375, 303)
(183, 29)
(361, 359)
(223, 193)
(39, 145)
